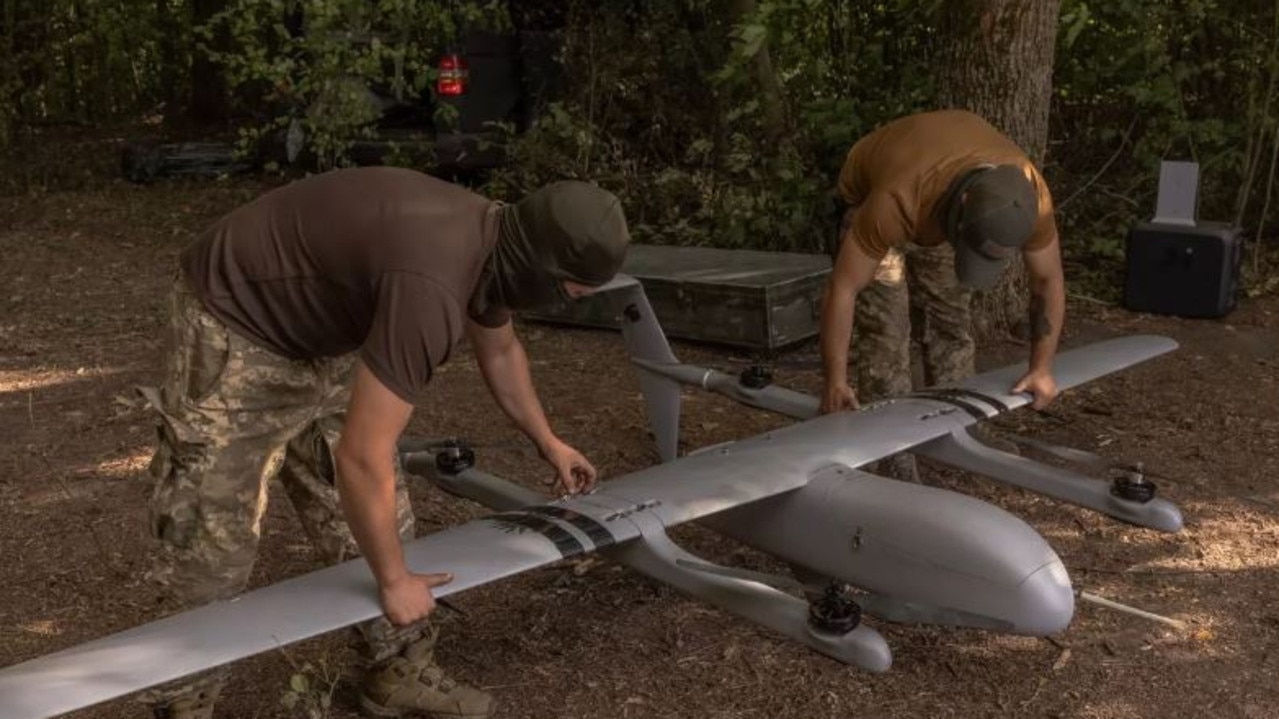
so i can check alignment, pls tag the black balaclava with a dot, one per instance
(564, 231)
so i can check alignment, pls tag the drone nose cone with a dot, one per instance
(1047, 601)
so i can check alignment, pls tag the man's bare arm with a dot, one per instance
(1047, 317)
(853, 272)
(366, 490)
(505, 368)
(1047, 303)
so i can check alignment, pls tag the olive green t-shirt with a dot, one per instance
(380, 260)
(895, 176)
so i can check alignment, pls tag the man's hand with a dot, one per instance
(1041, 385)
(409, 599)
(838, 396)
(573, 474)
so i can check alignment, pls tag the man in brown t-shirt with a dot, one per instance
(303, 327)
(938, 202)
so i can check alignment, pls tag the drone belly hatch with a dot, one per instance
(913, 545)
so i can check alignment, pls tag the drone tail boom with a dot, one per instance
(661, 374)
(646, 343)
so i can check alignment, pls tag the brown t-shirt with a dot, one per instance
(895, 176)
(383, 260)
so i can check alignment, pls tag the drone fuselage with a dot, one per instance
(915, 544)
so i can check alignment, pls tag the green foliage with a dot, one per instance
(77, 61)
(691, 140)
(717, 122)
(325, 69)
(703, 145)
(310, 691)
(1140, 82)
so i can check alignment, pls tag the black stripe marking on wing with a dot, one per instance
(973, 410)
(591, 527)
(519, 522)
(972, 394)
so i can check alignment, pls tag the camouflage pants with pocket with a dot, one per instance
(913, 283)
(233, 416)
(913, 286)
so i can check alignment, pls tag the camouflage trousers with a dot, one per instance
(234, 416)
(915, 294)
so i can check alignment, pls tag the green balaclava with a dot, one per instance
(565, 231)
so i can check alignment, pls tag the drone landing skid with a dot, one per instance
(658, 557)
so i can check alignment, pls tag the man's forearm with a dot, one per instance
(1047, 317)
(837, 331)
(367, 497)
(511, 383)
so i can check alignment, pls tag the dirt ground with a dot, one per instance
(82, 284)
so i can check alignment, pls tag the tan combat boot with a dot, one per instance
(196, 705)
(413, 684)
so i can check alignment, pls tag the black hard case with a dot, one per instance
(1188, 271)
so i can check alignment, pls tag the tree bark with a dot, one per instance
(170, 70)
(209, 97)
(771, 95)
(10, 85)
(997, 61)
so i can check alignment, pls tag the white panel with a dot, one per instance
(1178, 193)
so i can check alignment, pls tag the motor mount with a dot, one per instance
(835, 612)
(454, 457)
(756, 377)
(1133, 486)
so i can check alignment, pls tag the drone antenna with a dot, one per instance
(1111, 604)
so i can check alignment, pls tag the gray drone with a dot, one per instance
(861, 544)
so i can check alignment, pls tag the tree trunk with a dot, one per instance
(209, 100)
(10, 85)
(997, 61)
(771, 95)
(170, 70)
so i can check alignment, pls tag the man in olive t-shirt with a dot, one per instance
(303, 327)
(937, 203)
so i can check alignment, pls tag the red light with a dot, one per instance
(453, 75)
